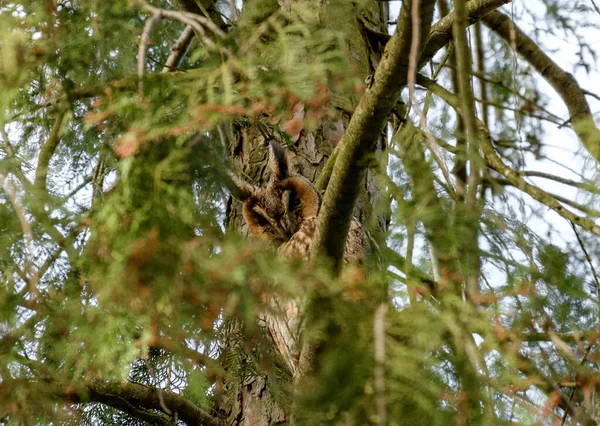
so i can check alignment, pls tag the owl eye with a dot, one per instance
(262, 221)
(294, 203)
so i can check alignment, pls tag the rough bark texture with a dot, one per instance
(251, 402)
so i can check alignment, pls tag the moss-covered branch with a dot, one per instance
(441, 32)
(563, 82)
(131, 398)
(370, 117)
(47, 151)
(358, 142)
(471, 208)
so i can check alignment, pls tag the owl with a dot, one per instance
(284, 214)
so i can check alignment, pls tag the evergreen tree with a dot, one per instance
(131, 292)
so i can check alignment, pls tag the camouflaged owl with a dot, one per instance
(284, 214)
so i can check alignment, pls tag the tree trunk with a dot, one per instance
(251, 400)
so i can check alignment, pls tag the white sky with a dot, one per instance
(563, 142)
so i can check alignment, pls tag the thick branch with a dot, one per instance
(179, 49)
(565, 85)
(130, 397)
(47, 151)
(367, 123)
(441, 32)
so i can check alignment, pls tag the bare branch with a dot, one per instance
(179, 49)
(47, 151)
(379, 335)
(441, 32)
(126, 395)
(195, 21)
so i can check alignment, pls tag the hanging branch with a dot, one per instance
(565, 85)
(179, 49)
(471, 211)
(496, 163)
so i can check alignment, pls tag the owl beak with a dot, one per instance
(284, 229)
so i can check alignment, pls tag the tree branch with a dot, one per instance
(179, 348)
(586, 186)
(47, 151)
(563, 82)
(358, 142)
(130, 397)
(179, 49)
(471, 209)
(496, 163)
(441, 32)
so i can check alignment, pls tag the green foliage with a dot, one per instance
(197, 387)
(120, 270)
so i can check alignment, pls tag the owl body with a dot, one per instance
(284, 214)
(298, 246)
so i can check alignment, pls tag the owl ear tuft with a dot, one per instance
(310, 198)
(239, 188)
(278, 162)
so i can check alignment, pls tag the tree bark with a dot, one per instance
(251, 401)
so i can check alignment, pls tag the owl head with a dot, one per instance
(276, 212)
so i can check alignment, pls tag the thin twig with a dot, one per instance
(586, 186)
(196, 21)
(588, 258)
(414, 51)
(145, 38)
(379, 380)
(587, 92)
(595, 7)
